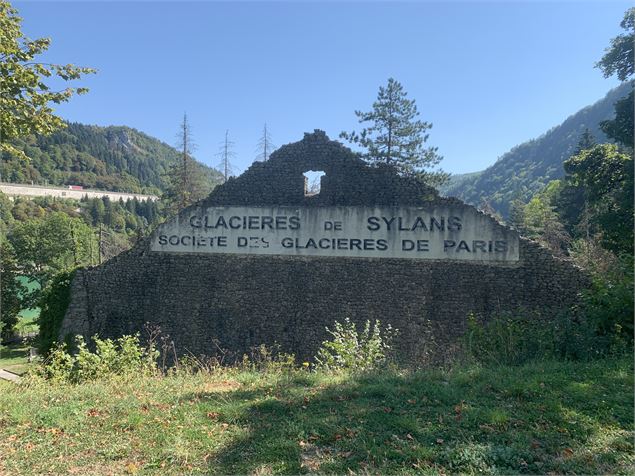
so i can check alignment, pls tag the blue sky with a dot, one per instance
(487, 75)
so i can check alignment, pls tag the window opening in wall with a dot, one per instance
(313, 182)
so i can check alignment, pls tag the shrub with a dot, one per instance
(59, 364)
(505, 339)
(608, 304)
(55, 300)
(268, 359)
(516, 339)
(124, 357)
(353, 350)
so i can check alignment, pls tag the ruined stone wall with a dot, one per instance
(244, 300)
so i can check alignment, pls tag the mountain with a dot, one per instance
(528, 167)
(115, 158)
(456, 180)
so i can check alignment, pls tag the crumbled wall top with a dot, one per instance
(348, 180)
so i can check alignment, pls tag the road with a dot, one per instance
(10, 376)
(23, 190)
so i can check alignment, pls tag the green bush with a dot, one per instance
(505, 339)
(353, 350)
(517, 339)
(55, 300)
(124, 356)
(608, 304)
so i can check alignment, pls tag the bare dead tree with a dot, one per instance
(111, 244)
(226, 153)
(185, 182)
(186, 147)
(265, 145)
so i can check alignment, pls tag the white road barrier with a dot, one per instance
(22, 190)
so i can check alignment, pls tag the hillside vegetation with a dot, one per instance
(115, 158)
(528, 167)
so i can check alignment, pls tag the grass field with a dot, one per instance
(542, 418)
(27, 317)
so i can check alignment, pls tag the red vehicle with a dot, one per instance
(75, 187)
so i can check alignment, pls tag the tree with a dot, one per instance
(396, 137)
(517, 215)
(186, 183)
(541, 221)
(265, 145)
(621, 128)
(619, 60)
(226, 153)
(25, 98)
(187, 147)
(6, 218)
(12, 291)
(97, 211)
(586, 141)
(110, 243)
(606, 175)
(571, 202)
(45, 247)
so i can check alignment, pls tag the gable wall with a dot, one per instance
(243, 301)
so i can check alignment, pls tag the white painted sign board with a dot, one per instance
(438, 233)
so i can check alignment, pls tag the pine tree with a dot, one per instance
(396, 137)
(586, 141)
(517, 215)
(97, 211)
(571, 202)
(132, 205)
(109, 212)
(149, 211)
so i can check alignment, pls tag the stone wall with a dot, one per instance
(244, 300)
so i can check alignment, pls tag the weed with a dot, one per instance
(272, 359)
(123, 356)
(353, 350)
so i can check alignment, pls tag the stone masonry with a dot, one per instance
(242, 301)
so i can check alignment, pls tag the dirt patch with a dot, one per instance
(221, 386)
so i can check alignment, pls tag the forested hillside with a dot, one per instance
(527, 168)
(116, 158)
